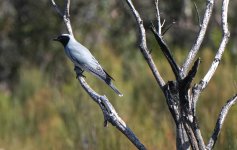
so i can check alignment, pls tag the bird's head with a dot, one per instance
(63, 38)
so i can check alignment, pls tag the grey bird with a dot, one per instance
(82, 58)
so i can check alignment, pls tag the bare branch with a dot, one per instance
(199, 138)
(167, 53)
(67, 7)
(159, 26)
(170, 25)
(225, 37)
(65, 15)
(57, 8)
(110, 115)
(191, 136)
(191, 74)
(143, 45)
(196, 46)
(158, 35)
(198, 16)
(220, 121)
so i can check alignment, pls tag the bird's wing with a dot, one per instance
(82, 56)
(94, 67)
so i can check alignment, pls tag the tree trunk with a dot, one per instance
(182, 141)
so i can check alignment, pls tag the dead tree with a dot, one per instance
(181, 96)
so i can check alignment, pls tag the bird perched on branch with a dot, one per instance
(82, 58)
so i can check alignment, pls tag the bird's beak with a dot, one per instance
(55, 39)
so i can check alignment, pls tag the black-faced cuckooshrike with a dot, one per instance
(82, 58)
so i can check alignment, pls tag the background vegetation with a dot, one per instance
(42, 105)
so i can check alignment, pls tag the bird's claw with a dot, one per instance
(79, 72)
(80, 75)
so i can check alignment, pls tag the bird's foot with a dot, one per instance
(79, 72)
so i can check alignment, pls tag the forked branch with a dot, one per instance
(224, 41)
(225, 37)
(196, 46)
(166, 51)
(110, 115)
(143, 45)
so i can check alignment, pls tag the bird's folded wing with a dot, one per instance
(96, 70)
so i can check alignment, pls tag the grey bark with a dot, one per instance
(110, 114)
(181, 98)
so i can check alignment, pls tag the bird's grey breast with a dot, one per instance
(79, 54)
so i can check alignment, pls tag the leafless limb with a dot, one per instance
(224, 41)
(159, 26)
(64, 14)
(220, 121)
(170, 25)
(196, 46)
(167, 53)
(110, 115)
(158, 35)
(180, 97)
(197, 12)
(143, 45)
(225, 37)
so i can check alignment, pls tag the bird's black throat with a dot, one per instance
(63, 39)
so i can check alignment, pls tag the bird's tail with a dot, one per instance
(115, 89)
(108, 80)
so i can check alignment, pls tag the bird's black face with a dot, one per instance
(62, 39)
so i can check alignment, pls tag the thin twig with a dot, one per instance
(67, 8)
(196, 46)
(143, 45)
(220, 121)
(167, 53)
(170, 25)
(57, 8)
(225, 37)
(197, 12)
(159, 26)
(64, 14)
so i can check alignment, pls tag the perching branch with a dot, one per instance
(143, 45)
(64, 14)
(110, 115)
(196, 46)
(224, 111)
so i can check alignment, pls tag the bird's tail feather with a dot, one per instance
(108, 80)
(115, 89)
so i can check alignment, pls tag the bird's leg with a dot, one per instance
(79, 71)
